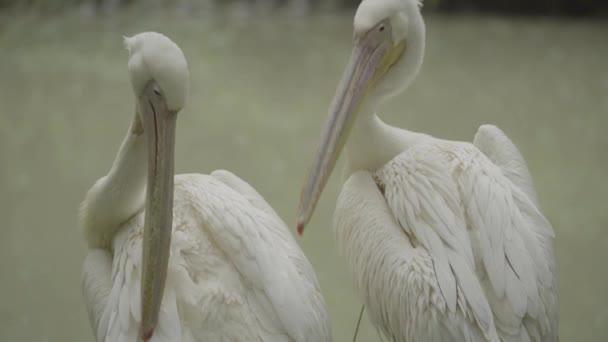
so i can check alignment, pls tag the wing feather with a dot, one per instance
(486, 236)
(495, 144)
(472, 291)
(394, 274)
(439, 225)
(111, 291)
(96, 284)
(259, 244)
(515, 258)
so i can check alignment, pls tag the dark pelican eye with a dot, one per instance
(156, 89)
(381, 28)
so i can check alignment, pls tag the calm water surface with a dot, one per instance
(260, 92)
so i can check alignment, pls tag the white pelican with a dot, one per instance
(445, 239)
(235, 273)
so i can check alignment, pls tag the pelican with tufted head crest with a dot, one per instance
(189, 257)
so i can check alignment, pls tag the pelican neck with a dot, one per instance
(373, 143)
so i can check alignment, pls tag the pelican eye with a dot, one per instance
(381, 28)
(156, 89)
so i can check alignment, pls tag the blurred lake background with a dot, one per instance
(263, 74)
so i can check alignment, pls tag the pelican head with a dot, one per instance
(159, 76)
(388, 49)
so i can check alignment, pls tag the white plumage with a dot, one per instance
(445, 240)
(452, 250)
(235, 272)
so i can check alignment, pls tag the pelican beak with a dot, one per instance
(370, 59)
(159, 127)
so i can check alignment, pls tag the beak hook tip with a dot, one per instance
(300, 228)
(146, 335)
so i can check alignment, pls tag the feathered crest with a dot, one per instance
(127, 42)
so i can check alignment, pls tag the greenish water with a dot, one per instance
(260, 92)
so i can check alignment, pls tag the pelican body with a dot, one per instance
(445, 240)
(192, 257)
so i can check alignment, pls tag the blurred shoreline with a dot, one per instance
(301, 8)
(235, 15)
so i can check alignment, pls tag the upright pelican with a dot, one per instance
(233, 270)
(445, 239)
